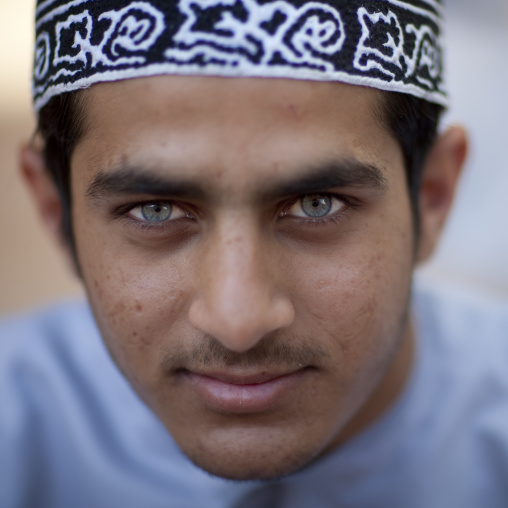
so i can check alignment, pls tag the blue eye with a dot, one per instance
(156, 212)
(316, 206)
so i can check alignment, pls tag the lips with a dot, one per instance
(258, 392)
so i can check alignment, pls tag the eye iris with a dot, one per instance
(156, 212)
(316, 206)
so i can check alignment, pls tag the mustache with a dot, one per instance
(272, 350)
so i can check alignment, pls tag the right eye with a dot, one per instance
(156, 212)
(315, 206)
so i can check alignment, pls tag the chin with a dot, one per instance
(248, 471)
(249, 464)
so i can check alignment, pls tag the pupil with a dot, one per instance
(316, 206)
(156, 212)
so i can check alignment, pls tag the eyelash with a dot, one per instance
(337, 217)
(123, 211)
(321, 222)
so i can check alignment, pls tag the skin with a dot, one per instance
(239, 280)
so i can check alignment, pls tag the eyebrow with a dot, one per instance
(328, 175)
(334, 174)
(132, 181)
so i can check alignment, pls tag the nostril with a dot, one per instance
(241, 328)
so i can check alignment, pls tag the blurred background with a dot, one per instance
(473, 254)
(32, 271)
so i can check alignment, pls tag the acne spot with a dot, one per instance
(144, 341)
(293, 112)
(322, 283)
(139, 307)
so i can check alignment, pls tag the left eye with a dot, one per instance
(315, 206)
(157, 211)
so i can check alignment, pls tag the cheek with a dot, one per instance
(356, 294)
(354, 302)
(138, 301)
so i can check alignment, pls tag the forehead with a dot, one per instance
(231, 127)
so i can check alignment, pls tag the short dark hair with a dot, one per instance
(412, 121)
(61, 125)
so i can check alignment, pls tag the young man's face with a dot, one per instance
(247, 246)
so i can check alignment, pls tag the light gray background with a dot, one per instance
(474, 250)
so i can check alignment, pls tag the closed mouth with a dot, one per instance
(253, 392)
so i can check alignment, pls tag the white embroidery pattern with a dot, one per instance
(425, 51)
(131, 30)
(42, 55)
(77, 24)
(302, 36)
(392, 45)
(131, 33)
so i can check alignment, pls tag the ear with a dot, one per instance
(42, 188)
(439, 180)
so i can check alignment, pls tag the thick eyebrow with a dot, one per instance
(335, 174)
(133, 181)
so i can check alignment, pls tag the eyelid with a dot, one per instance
(124, 211)
(177, 227)
(174, 210)
(343, 199)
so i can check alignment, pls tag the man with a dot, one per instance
(244, 189)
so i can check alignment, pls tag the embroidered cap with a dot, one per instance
(393, 45)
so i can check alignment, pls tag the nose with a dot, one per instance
(239, 302)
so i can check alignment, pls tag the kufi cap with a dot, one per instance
(393, 45)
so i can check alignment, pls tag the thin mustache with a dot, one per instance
(270, 351)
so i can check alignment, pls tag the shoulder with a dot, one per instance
(45, 342)
(50, 326)
(41, 336)
(55, 370)
(463, 339)
(466, 336)
(45, 359)
(466, 322)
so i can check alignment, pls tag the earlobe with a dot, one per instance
(439, 180)
(42, 188)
